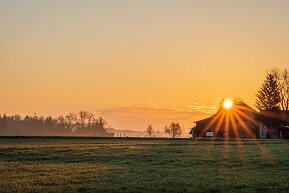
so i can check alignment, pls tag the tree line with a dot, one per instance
(83, 123)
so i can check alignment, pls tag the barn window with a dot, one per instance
(209, 134)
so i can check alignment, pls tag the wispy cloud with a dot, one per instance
(205, 109)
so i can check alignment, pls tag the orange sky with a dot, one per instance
(137, 62)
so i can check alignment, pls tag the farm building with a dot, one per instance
(276, 123)
(237, 121)
(283, 132)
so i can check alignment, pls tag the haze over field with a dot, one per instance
(137, 62)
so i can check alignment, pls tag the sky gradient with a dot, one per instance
(137, 62)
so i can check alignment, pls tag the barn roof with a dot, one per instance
(209, 118)
(237, 105)
(282, 127)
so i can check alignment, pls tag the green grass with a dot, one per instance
(138, 165)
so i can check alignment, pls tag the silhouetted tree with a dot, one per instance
(4, 122)
(89, 118)
(82, 116)
(71, 119)
(158, 133)
(238, 100)
(150, 130)
(49, 122)
(284, 89)
(282, 77)
(61, 122)
(221, 105)
(101, 122)
(268, 97)
(34, 125)
(17, 118)
(174, 129)
(1, 126)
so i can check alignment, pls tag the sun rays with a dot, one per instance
(236, 121)
(233, 120)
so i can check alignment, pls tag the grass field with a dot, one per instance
(142, 165)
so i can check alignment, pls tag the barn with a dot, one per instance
(237, 121)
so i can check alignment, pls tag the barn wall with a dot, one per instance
(204, 126)
(246, 130)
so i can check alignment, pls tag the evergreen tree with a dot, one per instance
(268, 97)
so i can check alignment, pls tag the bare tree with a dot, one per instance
(71, 118)
(284, 89)
(150, 130)
(158, 133)
(282, 78)
(90, 118)
(61, 121)
(102, 122)
(99, 123)
(83, 117)
(174, 129)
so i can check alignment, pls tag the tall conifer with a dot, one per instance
(268, 97)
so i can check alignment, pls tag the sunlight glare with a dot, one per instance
(228, 104)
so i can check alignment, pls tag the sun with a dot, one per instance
(228, 104)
